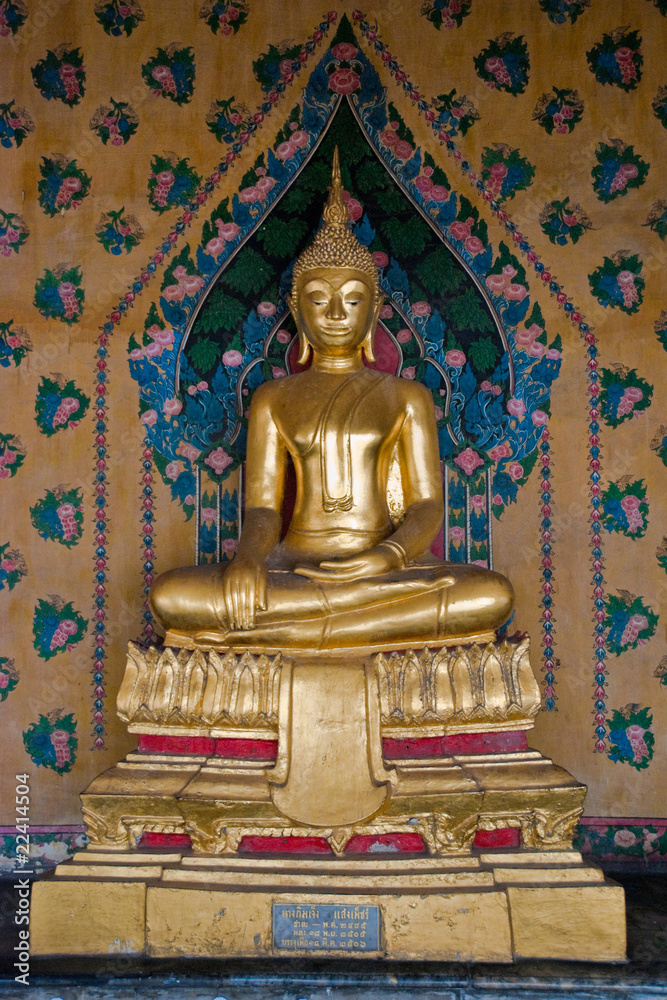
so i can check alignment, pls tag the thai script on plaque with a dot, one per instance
(326, 927)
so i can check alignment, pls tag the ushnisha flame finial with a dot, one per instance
(335, 245)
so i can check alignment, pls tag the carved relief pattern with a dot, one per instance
(192, 687)
(463, 687)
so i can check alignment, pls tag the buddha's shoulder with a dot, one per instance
(410, 393)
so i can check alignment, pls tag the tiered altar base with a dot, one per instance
(379, 804)
(493, 907)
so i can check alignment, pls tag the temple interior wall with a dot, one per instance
(630, 344)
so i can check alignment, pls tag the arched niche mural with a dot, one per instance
(458, 314)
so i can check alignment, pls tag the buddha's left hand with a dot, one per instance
(374, 562)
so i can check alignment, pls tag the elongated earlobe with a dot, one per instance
(367, 346)
(304, 349)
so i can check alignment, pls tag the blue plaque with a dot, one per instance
(341, 927)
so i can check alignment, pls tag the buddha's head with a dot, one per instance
(336, 297)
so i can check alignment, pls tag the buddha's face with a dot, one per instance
(335, 308)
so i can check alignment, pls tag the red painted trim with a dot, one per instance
(152, 743)
(508, 836)
(284, 845)
(258, 749)
(404, 843)
(149, 839)
(457, 743)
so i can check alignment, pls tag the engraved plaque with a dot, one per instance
(326, 927)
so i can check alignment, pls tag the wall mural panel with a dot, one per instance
(540, 335)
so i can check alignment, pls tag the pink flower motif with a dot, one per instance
(427, 172)
(380, 260)
(557, 117)
(354, 209)
(149, 418)
(215, 246)
(630, 502)
(300, 138)
(456, 359)
(536, 350)
(570, 220)
(524, 338)
(485, 386)
(344, 51)
(566, 111)
(14, 342)
(498, 170)
(192, 283)
(264, 185)
(635, 732)
(408, 373)
(386, 312)
(468, 461)
(439, 413)
(201, 386)
(227, 230)
(173, 293)
(478, 502)
(172, 406)
(497, 499)
(539, 418)
(473, 244)
(496, 283)
(173, 470)
(404, 335)
(404, 151)
(180, 272)
(283, 336)
(438, 193)
(277, 372)
(562, 129)
(136, 354)
(515, 470)
(389, 138)
(633, 393)
(423, 184)
(266, 309)
(625, 838)
(232, 358)
(250, 194)
(509, 271)
(218, 460)
(456, 533)
(421, 309)
(192, 389)
(516, 292)
(553, 354)
(188, 451)
(344, 81)
(208, 515)
(8, 565)
(152, 350)
(4, 680)
(496, 390)
(459, 230)
(516, 407)
(230, 545)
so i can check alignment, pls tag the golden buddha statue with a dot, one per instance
(345, 574)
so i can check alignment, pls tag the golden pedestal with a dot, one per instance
(332, 803)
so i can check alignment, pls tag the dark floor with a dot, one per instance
(123, 977)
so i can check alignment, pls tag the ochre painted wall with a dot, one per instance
(626, 216)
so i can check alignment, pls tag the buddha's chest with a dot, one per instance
(322, 428)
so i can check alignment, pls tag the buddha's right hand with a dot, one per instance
(244, 590)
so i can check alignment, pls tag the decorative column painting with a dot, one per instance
(164, 168)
